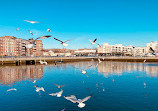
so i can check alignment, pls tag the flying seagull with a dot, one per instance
(59, 86)
(48, 30)
(39, 88)
(17, 29)
(99, 61)
(58, 94)
(63, 43)
(12, 89)
(30, 32)
(83, 71)
(34, 81)
(80, 102)
(93, 42)
(32, 44)
(32, 22)
(153, 51)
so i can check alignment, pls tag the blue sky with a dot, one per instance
(129, 22)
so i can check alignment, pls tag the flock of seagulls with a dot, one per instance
(71, 98)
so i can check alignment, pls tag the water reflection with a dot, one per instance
(118, 68)
(12, 74)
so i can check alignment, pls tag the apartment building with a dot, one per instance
(108, 49)
(12, 46)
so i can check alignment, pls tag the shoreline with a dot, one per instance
(51, 60)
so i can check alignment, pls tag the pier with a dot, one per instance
(35, 60)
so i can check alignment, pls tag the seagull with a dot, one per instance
(58, 94)
(63, 43)
(34, 81)
(80, 102)
(153, 51)
(99, 60)
(93, 42)
(83, 71)
(30, 32)
(39, 88)
(43, 62)
(12, 89)
(32, 44)
(103, 89)
(59, 86)
(144, 85)
(17, 29)
(32, 22)
(48, 30)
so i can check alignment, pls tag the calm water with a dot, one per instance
(123, 84)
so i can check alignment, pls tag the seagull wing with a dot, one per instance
(152, 49)
(71, 98)
(78, 68)
(53, 94)
(85, 99)
(61, 92)
(99, 60)
(98, 44)
(58, 40)
(88, 67)
(90, 40)
(27, 20)
(44, 37)
(62, 85)
(67, 41)
(95, 40)
(56, 85)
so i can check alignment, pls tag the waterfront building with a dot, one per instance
(85, 51)
(140, 51)
(58, 52)
(118, 49)
(12, 46)
(153, 44)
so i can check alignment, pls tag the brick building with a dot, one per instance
(12, 46)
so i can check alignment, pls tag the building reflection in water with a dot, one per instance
(118, 68)
(12, 74)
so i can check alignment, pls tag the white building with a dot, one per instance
(85, 51)
(115, 49)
